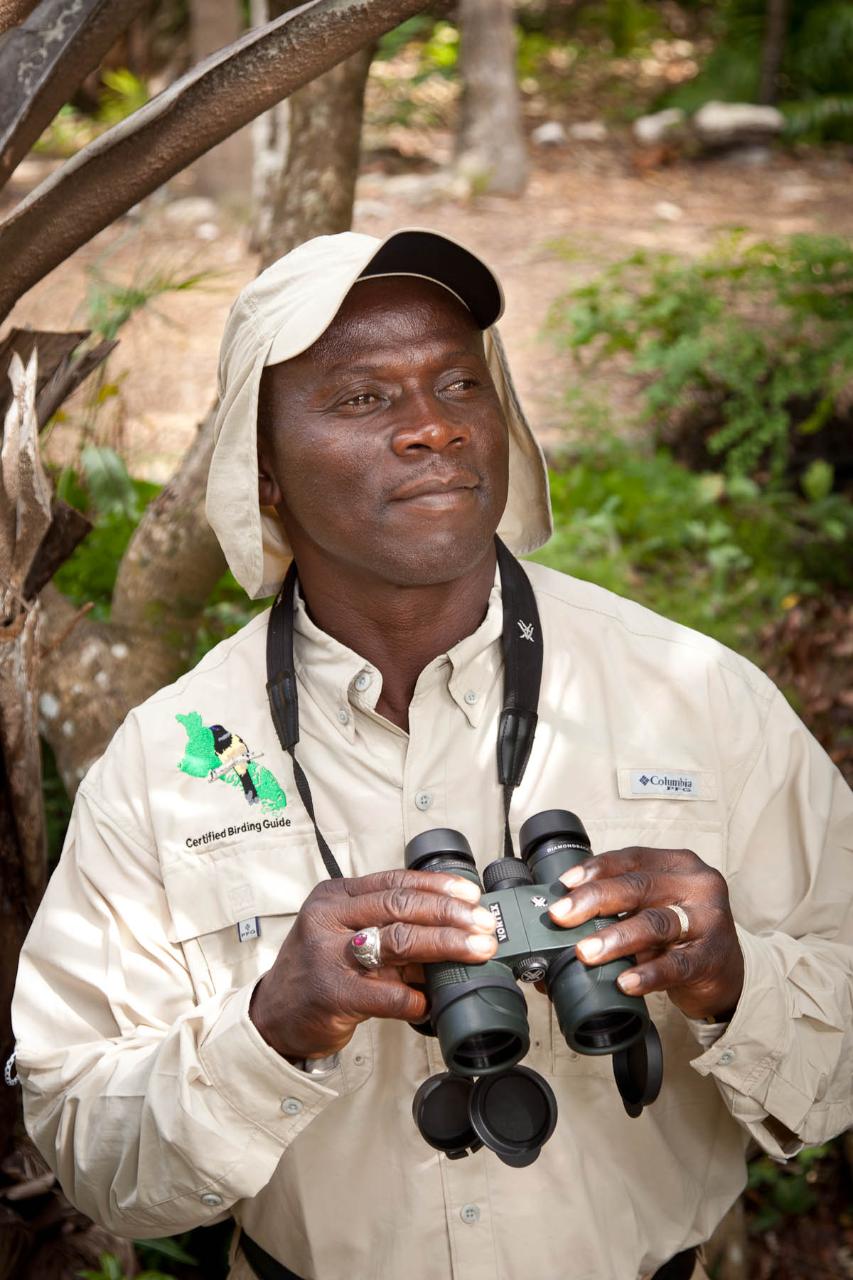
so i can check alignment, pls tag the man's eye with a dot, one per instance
(361, 400)
(461, 384)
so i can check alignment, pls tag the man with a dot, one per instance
(200, 1030)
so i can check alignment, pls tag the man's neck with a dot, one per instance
(399, 630)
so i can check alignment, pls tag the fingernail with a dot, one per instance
(483, 946)
(563, 908)
(590, 948)
(572, 877)
(628, 982)
(483, 919)
(464, 889)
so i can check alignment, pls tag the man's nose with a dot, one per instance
(428, 426)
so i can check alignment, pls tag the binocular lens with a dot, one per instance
(487, 1051)
(608, 1031)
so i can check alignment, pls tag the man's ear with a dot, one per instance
(269, 493)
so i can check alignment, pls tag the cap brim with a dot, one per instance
(435, 257)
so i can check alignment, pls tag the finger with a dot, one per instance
(616, 862)
(675, 967)
(631, 891)
(409, 905)
(648, 930)
(424, 881)
(386, 999)
(401, 943)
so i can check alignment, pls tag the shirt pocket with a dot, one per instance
(704, 838)
(233, 906)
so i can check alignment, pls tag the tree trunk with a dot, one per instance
(173, 561)
(491, 150)
(225, 173)
(315, 190)
(773, 50)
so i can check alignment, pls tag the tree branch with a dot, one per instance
(213, 100)
(45, 59)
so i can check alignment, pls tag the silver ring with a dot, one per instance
(682, 919)
(366, 948)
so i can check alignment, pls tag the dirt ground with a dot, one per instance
(586, 204)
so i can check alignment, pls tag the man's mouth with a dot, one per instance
(438, 490)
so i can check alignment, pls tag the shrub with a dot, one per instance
(745, 355)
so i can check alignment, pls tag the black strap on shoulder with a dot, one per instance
(284, 701)
(522, 653)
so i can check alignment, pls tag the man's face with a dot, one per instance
(383, 447)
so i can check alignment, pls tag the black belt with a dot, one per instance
(265, 1266)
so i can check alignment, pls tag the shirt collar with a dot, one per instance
(342, 682)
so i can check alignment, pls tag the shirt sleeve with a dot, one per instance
(155, 1112)
(784, 1063)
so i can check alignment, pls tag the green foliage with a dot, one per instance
(104, 491)
(111, 1269)
(121, 95)
(754, 342)
(779, 1190)
(816, 79)
(170, 1248)
(110, 304)
(715, 553)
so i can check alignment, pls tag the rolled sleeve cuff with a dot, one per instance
(256, 1081)
(745, 1060)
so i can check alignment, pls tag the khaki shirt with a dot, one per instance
(160, 1106)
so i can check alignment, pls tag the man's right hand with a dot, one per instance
(310, 1002)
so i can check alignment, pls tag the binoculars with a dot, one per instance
(479, 1014)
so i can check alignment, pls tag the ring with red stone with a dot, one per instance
(365, 947)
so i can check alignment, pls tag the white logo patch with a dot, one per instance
(249, 929)
(664, 782)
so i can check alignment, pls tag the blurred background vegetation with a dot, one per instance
(697, 391)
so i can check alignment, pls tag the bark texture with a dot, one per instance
(491, 149)
(226, 171)
(773, 50)
(316, 189)
(43, 61)
(135, 157)
(94, 672)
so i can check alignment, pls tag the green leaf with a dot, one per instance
(107, 480)
(818, 479)
(167, 1247)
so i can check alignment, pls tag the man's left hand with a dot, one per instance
(702, 972)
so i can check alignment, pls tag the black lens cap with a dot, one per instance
(638, 1071)
(442, 1111)
(514, 1114)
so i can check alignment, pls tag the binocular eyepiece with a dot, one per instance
(479, 1014)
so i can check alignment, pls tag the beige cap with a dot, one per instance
(283, 312)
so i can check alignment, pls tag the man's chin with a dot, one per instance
(432, 561)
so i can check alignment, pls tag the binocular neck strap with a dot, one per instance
(522, 654)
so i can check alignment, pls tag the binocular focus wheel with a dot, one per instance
(638, 1071)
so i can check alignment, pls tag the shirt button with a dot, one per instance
(471, 697)
(211, 1199)
(726, 1057)
(362, 681)
(469, 1213)
(423, 800)
(343, 716)
(291, 1106)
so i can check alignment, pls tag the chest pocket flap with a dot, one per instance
(264, 876)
